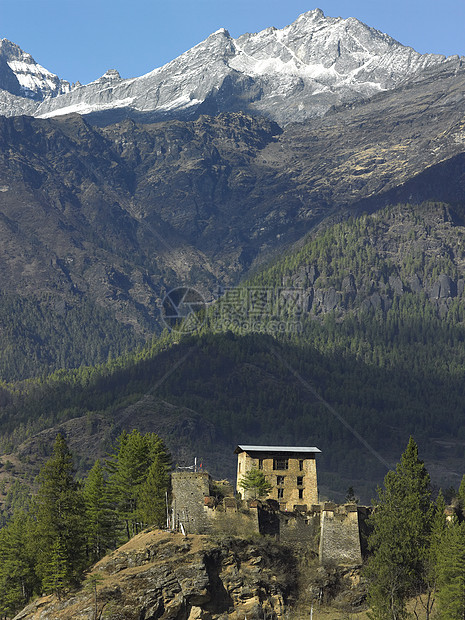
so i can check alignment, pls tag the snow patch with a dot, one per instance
(184, 101)
(86, 108)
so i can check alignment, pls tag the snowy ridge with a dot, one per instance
(33, 80)
(289, 74)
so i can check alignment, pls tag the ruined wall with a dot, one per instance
(300, 529)
(233, 517)
(328, 529)
(339, 536)
(190, 496)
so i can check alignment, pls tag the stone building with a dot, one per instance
(291, 512)
(291, 471)
(190, 491)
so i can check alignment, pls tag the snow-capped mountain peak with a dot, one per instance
(22, 75)
(288, 74)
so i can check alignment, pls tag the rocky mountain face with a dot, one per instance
(291, 74)
(120, 215)
(407, 258)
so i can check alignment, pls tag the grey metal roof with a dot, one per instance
(243, 448)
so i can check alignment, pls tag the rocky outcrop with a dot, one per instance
(405, 250)
(159, 575)
(379, 296)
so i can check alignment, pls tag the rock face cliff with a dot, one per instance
(412, 250)
(159, 575)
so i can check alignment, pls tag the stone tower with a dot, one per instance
(189, 492)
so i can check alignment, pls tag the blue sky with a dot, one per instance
(81, 39)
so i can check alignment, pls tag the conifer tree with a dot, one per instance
(129, 468)
(438, 530)
(399, 541)
(18, 580)
(451, 573)
(59, 513)
(461, 494)
(100, 519)
(152, 496)
(55, 572)
(18, 498)
(255, 482)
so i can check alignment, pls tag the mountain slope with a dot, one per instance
(377, 343)
(118, 216)
(74, 231)
(291, 74)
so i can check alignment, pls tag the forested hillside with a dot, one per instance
(69, 524)
(39, 333)
(387, 357)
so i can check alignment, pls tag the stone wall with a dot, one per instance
(331, 530)
(301, 529)
(340, 535)
(236, 517)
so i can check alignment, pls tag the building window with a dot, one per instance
(279, 480)
(301, 465)
(280, 493)
(260, 463)
(301, 493)
(300, 481)
(280, 463)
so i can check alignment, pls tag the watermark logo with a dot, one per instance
(183, 310)
(239, 309)
(260, 309)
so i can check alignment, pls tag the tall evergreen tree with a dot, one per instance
(451, 573)
(399, 540)
(438, 530)
(59, 513)
(461, 494)
(100, 519)
(18, 579)
(55, 574)
(129, 468)
(152, 496)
